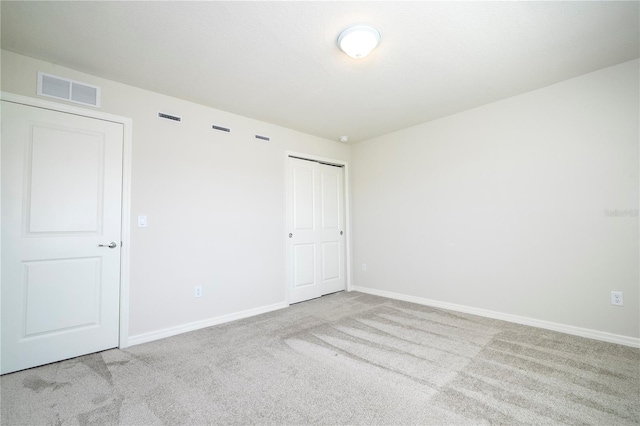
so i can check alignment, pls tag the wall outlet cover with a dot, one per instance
(616, 298)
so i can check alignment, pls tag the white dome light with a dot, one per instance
(358, 41)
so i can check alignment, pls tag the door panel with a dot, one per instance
(334, 263)
(61, 198)
(51, 289)
(315, 211)
(330, 261)
(304, 189)
(304, 260)
(303, 276)
(61, 201)
(330, 198)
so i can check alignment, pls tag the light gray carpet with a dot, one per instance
(346, 358)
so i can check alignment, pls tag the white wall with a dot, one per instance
(499, 208)
(214, 201)
(502, 207)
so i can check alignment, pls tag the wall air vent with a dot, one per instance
(169, 117)
(222, 129)
(264, 138)
(68, 90)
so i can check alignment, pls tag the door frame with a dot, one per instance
(125, 237)
(347, 213)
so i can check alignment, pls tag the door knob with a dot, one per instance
(112, 244)
(340, 232)
(290, 235)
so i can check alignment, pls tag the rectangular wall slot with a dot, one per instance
(222, 129)
(169, 117)
(264, 138)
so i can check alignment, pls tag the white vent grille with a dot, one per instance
(68, 90)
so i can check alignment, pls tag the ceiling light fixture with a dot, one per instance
(357, 42)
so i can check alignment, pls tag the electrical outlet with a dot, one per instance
(198, 291)
(364, 267)
(616, 298)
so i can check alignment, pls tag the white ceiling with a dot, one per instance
(279, 61)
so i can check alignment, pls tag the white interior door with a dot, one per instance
(315, 218)
(331, 229)
(61, 229)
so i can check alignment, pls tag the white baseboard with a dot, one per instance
(192, 326)
(562, 328)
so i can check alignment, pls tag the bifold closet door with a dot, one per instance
(315, 220)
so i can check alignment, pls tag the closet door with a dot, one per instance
(331, 229)
(315, 219)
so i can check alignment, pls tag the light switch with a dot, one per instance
(142, 221)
